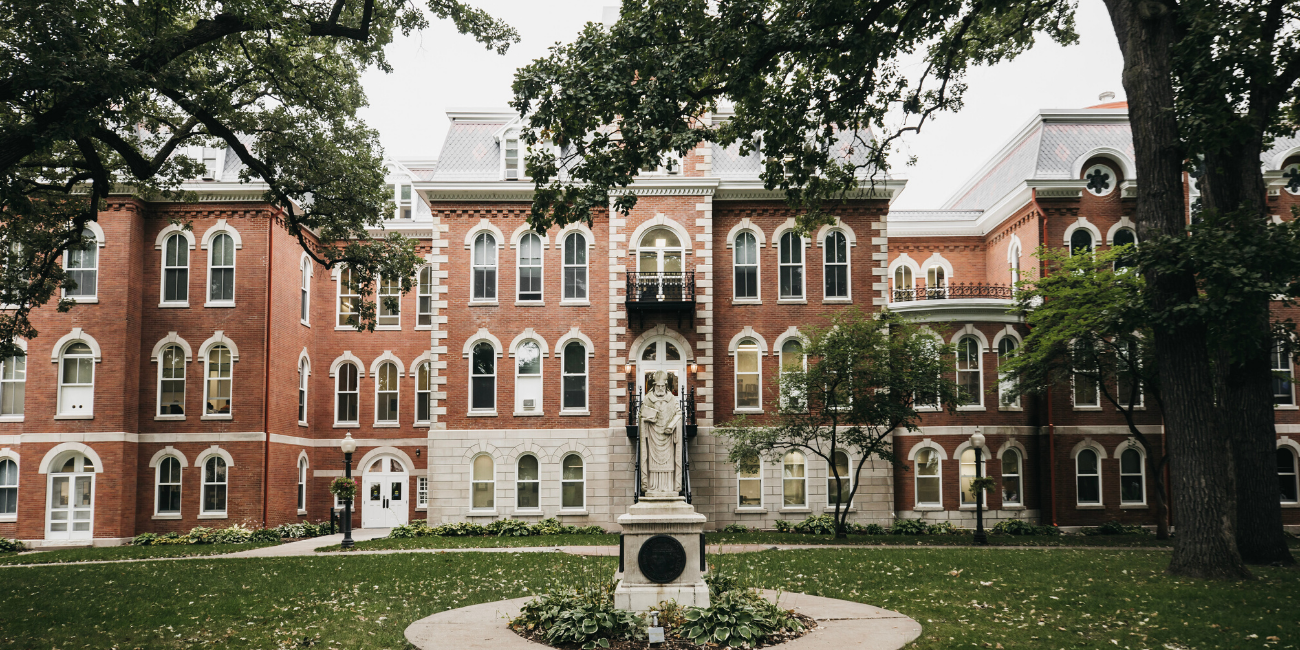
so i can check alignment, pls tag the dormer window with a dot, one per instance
(672, 166)
(512, 167)
(210, 158)
(402, 198)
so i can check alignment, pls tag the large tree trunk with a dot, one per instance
(1205, 546)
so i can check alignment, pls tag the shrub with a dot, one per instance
(265, 535)
(735, 528)
(783, 526)
(234, 535)
(720, 583)
(303, 529)
(590, 530)
(736, 618)
(816, 525)
(11, 545)
(509, 528)
(584, 617)
(460, 529)
(944, 528)
(909, 527)
(417, 528)
(1115, 528)
(143, 539)
(548, 526)
(870, 529)
(1021, 527)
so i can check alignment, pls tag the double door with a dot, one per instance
(385, 495)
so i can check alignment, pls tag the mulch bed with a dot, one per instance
(672, 641)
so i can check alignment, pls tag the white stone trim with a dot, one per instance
(215, 450)
(172, 339)
(1012, 443)
(575, 335)
(171, 229)
(524, 229)
(657, 331)
(481, 335)
(904, 259)
(760, 239)
(219, 337)
(780, 230)
(303, 355)
(747, 332)
(10, 454)
(348, 357)
(529, 335)
(789, 333)
(59, 449)
(77, 334)
(1014, 245)
(218, 228)
(839, 225)
(1126, 166)
(94, 227)
(485, 225)
(1010, 331)
(388, 356)
(21, 343)
(579, 227)
(684, 236)
(971, 330)
(1083, 222)
(364, 463)
(1124, 222)
(1286, 441)
(415, 363)
(940, 261)
(1089, 443)
(165, 452)
(927, 443)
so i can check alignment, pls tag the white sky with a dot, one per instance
(440, 69)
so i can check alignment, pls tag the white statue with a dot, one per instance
(661, 440)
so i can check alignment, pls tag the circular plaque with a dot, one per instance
(661, 559)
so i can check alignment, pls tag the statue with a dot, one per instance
(661, 440)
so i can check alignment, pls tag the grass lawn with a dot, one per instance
(124, 553)
(479, 542)
(1137, 541)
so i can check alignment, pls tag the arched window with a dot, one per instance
(791, 266)
(530, 268)
(483, 484)
(1280, 359)
(903, 284)
(792, 360)
(176, 269)
(303, 374)
(836, 269)
(929, 492)
(749, 482)
(528, 484)
(77, 380)
(171, 381)
(304, 292)
(386, 394)
(528, 378)
(424, 303)
(347, 394)
(483, 378)
(574, 381)
(485, 268)
(1080, 241)
(71, 505)
(836, 497)
(970, 376)
(1286, 476)
(423, 393)
(216, 390)
(967, 467)
(349, 300)
(936, 282)
(169, 487)
(82, 266)
(1007, 395)
(575, 267)
(13, 385)
(221, 270)
(1124, 237)
(572, 485)
(1132, 477)
(1011, 492)
(1014, 255)
(8, 487)
(302, 485)
(389, 304)
(214, 486)
(794, 480)
(745, 261)
(748, 376)
(1088, 477)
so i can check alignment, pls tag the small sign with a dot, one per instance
(656, 635)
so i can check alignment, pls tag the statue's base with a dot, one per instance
(653, 517)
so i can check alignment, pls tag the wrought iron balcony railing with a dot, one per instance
(954, 291)
(672, 292)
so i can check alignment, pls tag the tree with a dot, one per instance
(865, 378)
(1088, 327)
(100, 97)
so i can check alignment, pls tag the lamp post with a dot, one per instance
(977, 441)
(348, 446)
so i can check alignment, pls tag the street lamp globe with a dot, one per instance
(977, 440)
(349, 445)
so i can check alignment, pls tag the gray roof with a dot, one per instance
(729, 164)
(470, 153)
(934, 215)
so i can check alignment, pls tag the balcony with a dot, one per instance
(667, 292)
(956, 301)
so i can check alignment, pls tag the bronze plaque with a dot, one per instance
(661, 559)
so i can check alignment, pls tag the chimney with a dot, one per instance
(1106, 96)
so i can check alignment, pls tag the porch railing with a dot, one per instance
(954, 291)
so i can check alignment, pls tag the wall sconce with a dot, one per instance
(627, 369)
(417, 452)
(695, 367)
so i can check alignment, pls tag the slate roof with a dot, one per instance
(469, 153)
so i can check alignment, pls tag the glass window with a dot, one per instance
(171, 381)
(1128, 386)
(928, 489)
(221, 269)
(528, 378)
(968, 474)
(304, 291)
(527, 484)
(927, 399)
(404, 202)
(422, 492)
(1014, 254)
(82, 266)
(483, 485)
(1086, 392)
(1088, 476)
(575, 267)
(936, 280)
(572, 486)
(1080, 242)
(970, 379)
(791, 266)
(349, 300)
(13, 385)
(485, 267)
(1124, 237)
(347, 390)
(575, 376)
(217, 388)
(837, 265)
(214, 485)
(1132, 475)
(835, 497)
(8, 487)
(530, 267)
(1286, 476)
(77, 380)
(483, 378)
(792, 360)
(746, 266)
(749, 480)
(1007, 395)
(386, 393)
(1283, 375)
(169, 486)
(302, 484)
(423, 393)
(176, 269)
(1011, 478)
(794, 481)
(510, 160)
(424, 304)
(747, 375)
(903, 283)
(302, 391)
(389, 305)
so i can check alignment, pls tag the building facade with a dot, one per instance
(206, 376)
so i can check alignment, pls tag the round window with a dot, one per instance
(1291, 174)
(1101, 180)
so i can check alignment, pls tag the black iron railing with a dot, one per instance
(954, 291)
(672, 292)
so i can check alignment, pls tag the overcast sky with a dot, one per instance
(439, 69)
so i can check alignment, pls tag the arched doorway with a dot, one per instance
(666, 354)
(384, 495)
(70, 513)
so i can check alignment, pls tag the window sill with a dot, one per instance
(971, 407)
(423, 328)
(792, 301)
(302, 513)
(530, 303)
(345, 328)
(528, 512)
(5, 519)
(219, 305)
(483, 304)
(84, 300)
(11, 418)
(970, 507)
(792, 509)
(1286, 407)
(221, 416)
(837, 509)
(749, 411)
(1134, 506)
(1135, 408)
(302, 424)
(750, 510)
(481, 414)
(575, 303)
(529, 414)
(1013, 506)
(573, 513)
(388, 328)
(746, 301)
(420, 425)
(837, 301)
(88, 416)
(169, 418)
(581, 413)
(1010, 408)
(928, 508)
(927, 409)
(386, 425)
(1090, 506)
(481, 513)
(169, 515)
(347, 425)
(1293, 504)
(173, 305)
(304, 323)
(213, 515)
(1087, 408)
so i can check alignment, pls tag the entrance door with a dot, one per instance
(661, 354)
(384, 494)
(659, 263)
(71, 513)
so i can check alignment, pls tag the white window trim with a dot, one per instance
(496, 373)
(337, 374)
(1005, 334)
(982, 468)
(397, 390)
(849, 243)
(307, 268)
(339, 286)
(802, 298)
(495, 265)
(978, 404)
(804, 478)
(4, 384)
(582, 481)
(760, 350)
(733, 243)
(304, 383)
(422, 365)
(926, 443)
(11, 455)
(1020, 474)
(234, 270)
(419, 286)
(1292, 448)
(1290, 363)
(98, 232)
(1101, 492)
(1082, 223)
(379, 297)
(519, 481)
(518, 245)
(422, 493)
(832, 507)
(185, 362)
(1142, 472)
(303, 467)
(203, 488)
(157, 483)
(492, 481)
(61, 348)
(207, 352)
(164, 237)
(541, 373)
(760, 507)
(589, 244)
(586, 377)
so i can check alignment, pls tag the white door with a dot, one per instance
(665, 355)
(384, 496)
(659, 263)
(71, 512)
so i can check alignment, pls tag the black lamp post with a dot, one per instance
(348, 446)
(977, 441)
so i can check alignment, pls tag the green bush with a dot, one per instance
(944, 528)
(816, 525)
(417, 528)
(265, 535)
(909, 527)
(783, 526)
(233, 535)
(11, 545)
(593, 529)
(585, 617)
(735, 528)
(302, 529)
(460, 529)
(1021, 527)
(144, 539)
(736, 618)
(870, 529)
(1115, 528)
(509, 528)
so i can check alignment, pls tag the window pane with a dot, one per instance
(529, 358)
(571, 494)
(572, 468)
(575, 392)
(484, 395)
(927, 489)
(1087, 462)
(483, 468)
(1131, 489)
(1130, 462)
(528, 468)
(527, 495)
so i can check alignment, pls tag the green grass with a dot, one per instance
(124, 553)
(1137, 541)
(479, 542)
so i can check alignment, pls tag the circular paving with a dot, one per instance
(840, 624)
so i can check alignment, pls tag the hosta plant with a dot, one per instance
(737, 618)
(585, 617)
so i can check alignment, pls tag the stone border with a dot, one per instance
(840, 624)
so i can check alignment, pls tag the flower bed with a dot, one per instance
(498, 528)
(234, 535)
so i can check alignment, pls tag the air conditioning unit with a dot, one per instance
(529, 404)
(512, 174)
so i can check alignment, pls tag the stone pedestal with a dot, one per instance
(661, 555)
